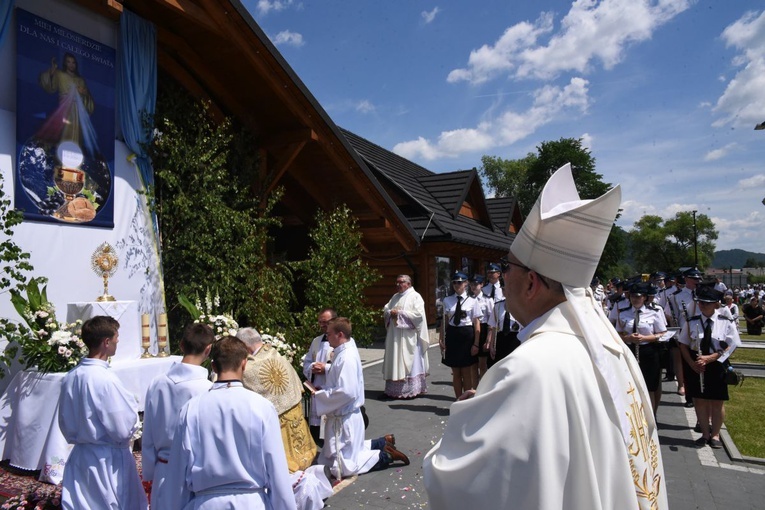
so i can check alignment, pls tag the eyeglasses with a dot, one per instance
(505, 265)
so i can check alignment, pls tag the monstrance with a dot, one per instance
(104, 263)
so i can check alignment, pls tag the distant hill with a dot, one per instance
(735, 258)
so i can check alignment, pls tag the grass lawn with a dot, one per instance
(743, 355)
(743, 416)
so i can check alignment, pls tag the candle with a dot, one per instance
(145, 328)
(162, 325)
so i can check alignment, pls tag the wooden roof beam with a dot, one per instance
(281, 167)
(289, 138)
(191, 12)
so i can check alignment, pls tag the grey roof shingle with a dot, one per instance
(432, 200)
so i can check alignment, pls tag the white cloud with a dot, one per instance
(743, 102)
(757, 181)
(590, 31)
(430, 16)
(287, 38)
(719, 153)
(365, 106)
(587, 140)
(507, 128)
(266, 6)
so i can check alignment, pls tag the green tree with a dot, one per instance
(15, 266)
(660, 244)
(215, 230)
(505, 177)
(754, 262)
(335, 276)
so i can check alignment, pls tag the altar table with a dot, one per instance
(29, 433)
(124, 312)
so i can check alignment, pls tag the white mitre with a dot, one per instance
(563, 236)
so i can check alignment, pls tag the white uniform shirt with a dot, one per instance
(649, 322)
(469, 306)
(723, 330)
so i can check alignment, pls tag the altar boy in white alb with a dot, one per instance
(565, 420)
(227, 451)
(99, 416)
(165, 397)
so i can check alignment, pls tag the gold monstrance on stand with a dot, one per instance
(104, 263)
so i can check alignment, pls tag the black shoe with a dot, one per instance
(669, 379)
(697, 428)
(701, 442)
(715, 443)
(688, 404)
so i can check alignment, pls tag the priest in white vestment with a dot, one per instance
(406, 343)
(345, 451)
(565, 420)
(99, 416)
(227, 450)
(165, 397)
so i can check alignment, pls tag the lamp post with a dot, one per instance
(695, 242)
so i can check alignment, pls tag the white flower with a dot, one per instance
(41, 313)
(61, 349)
(68, 353)
(41, 332)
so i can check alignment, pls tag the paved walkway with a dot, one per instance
(696, 478)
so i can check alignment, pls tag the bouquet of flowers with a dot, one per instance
(290, 351)
(203, 312)
(278, 342)
(49, 345)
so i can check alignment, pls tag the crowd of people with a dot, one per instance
(537, 347)
(240, 440)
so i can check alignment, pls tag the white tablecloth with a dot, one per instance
(29, 433)
(124, 312)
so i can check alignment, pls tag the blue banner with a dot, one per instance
(65, 104)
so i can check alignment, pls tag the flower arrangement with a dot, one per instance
(204, 312)
(290, 351)
(47, 344)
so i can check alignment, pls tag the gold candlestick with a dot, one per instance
(145, 335)
(162, 334)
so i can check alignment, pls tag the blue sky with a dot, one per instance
(665, 93)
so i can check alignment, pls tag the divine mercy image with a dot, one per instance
(65, 124)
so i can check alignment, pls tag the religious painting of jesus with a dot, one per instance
(65, 124)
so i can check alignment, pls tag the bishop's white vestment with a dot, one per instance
(165, 397)
(227, 451)
(543, 432)
(345, 451)
(99, 416)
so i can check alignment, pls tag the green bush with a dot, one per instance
(336, 277)
(214, 226)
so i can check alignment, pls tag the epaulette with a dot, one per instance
(694, 318)
(652, 306)
(625, 308)
(678, 291)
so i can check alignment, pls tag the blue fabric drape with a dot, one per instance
(137, 87)
(6, 13)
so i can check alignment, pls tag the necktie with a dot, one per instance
(324, 338)
(457, 312)
(636, 347)
(493, 289)
(506, 323)
(706, 342)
